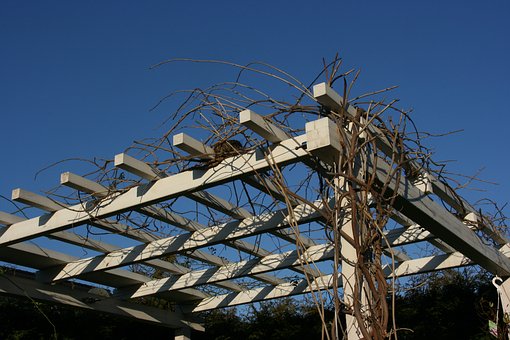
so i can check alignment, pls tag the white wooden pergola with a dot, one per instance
(452, 228)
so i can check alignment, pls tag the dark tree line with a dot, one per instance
(450, 305)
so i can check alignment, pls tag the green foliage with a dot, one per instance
(450, 305)
(275, 320)
(445, 306)
(20, 319)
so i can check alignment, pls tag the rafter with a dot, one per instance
(184, 242)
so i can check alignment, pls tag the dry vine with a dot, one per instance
(354, 200)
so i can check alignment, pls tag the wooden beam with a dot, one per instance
(177, 220)
(137, 167)
(261, 294)
(47, 204)
(8, 219)
(328, 97)
(219, 204)
(255, 121)
(192, 146)
(35, 200)
(81, 298)
(422, 265)
(232, 270)
(411, 202)
(87, 242)
(185, 242)
(262, 127)
(83, 184)
(37, 257)
(428, 264)
(196, 148)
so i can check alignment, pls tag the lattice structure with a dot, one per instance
(283, 238)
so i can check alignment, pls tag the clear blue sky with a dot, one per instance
(74, 77)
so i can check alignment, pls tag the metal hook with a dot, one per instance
(495, 282)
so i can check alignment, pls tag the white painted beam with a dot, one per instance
(422, 265)
(83, 184)
(35, 200)
(424, 183)
(196, 148)
(232, 270)
(263, 293)
(328, 97)
(411, 202)
(8, 219)
(428, 264)
(183, 333)
(407, 235)
(398, 255)
(265, 129)
(192, 146)
(47, 204)
(265, 185)
(322, 139)
(262, 127)
(135, 166)
(185, 242)
(219, 204)
(36, 257)
(88, 242)
(88, 186)
(20, 286)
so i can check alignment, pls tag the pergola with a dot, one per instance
(425, 209)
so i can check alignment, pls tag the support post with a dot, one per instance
(349, 281)
(183, 333)
(504, 292)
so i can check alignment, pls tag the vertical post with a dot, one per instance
(504, 293)
(349, 279)
(183, 333)
(353, 288)
(325, 141)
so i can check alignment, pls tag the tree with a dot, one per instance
(445, 305)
